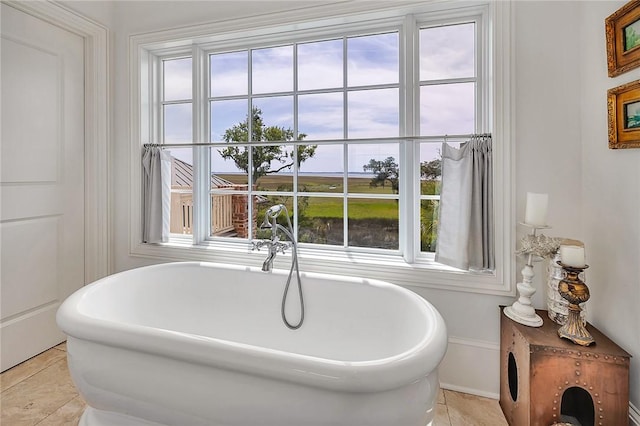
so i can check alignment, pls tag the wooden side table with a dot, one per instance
(545, 379)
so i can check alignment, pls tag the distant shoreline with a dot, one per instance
(360, 175)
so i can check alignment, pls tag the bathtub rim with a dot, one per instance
(376, 375)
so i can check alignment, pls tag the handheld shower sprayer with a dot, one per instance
(271, 215)
(275, 210)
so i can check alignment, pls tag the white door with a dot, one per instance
(41, 181)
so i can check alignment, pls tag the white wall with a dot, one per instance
(561, 149)
(611, 199)
(99, 11)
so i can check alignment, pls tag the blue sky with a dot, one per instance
(445, 52)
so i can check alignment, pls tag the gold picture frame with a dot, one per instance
(622, 30)
(623, 105)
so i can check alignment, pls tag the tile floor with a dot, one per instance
(40, 392)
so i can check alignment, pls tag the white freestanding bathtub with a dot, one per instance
(204, 344)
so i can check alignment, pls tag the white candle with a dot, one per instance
(536, 209)
(572, 256)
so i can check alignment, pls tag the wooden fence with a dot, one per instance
(182, 213)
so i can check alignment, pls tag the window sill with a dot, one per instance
(385, 267)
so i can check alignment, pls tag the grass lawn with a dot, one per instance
(359, 208)
(330, 207)
(372, 222)
(311, 184)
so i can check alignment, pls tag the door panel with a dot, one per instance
(30, 156)
(24, 286)
(41, 181)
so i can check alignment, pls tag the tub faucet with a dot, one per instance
(274, 247)
(274, 244)
(268, 262)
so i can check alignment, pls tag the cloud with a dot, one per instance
(373, 59)
(445, 52)
(272, 70)
(321, 116)
(177, 123)
(374, 113)
(177, 73)
(225, 114)
(447, 109)
(229, 73)
(320, 65)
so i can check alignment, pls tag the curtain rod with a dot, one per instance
(443, 138)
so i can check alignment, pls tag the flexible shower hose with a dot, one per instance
(294, 264)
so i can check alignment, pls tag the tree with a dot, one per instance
(263, 156)
(632, 39)
(431, 170)
(385, 171)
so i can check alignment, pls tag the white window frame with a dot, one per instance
(414, 269)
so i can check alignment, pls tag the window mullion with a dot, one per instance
(156, 122)
(483, 72)
(345, 147)
(249, 148)
(409, 156)
(296, 171)
(201, 173)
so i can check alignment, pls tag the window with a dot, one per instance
(323, 92)
(176, 110)
(448, 90)
(309, 97)
(340, 120)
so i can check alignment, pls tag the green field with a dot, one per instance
(311, 183)
(371, 222)
(328, 207)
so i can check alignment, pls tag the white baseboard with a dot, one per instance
(473, 366)
(634, 415)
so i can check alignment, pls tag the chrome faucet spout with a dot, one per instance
(268, 262)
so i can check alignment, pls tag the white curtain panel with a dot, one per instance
(156, 194)
(465, 226)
